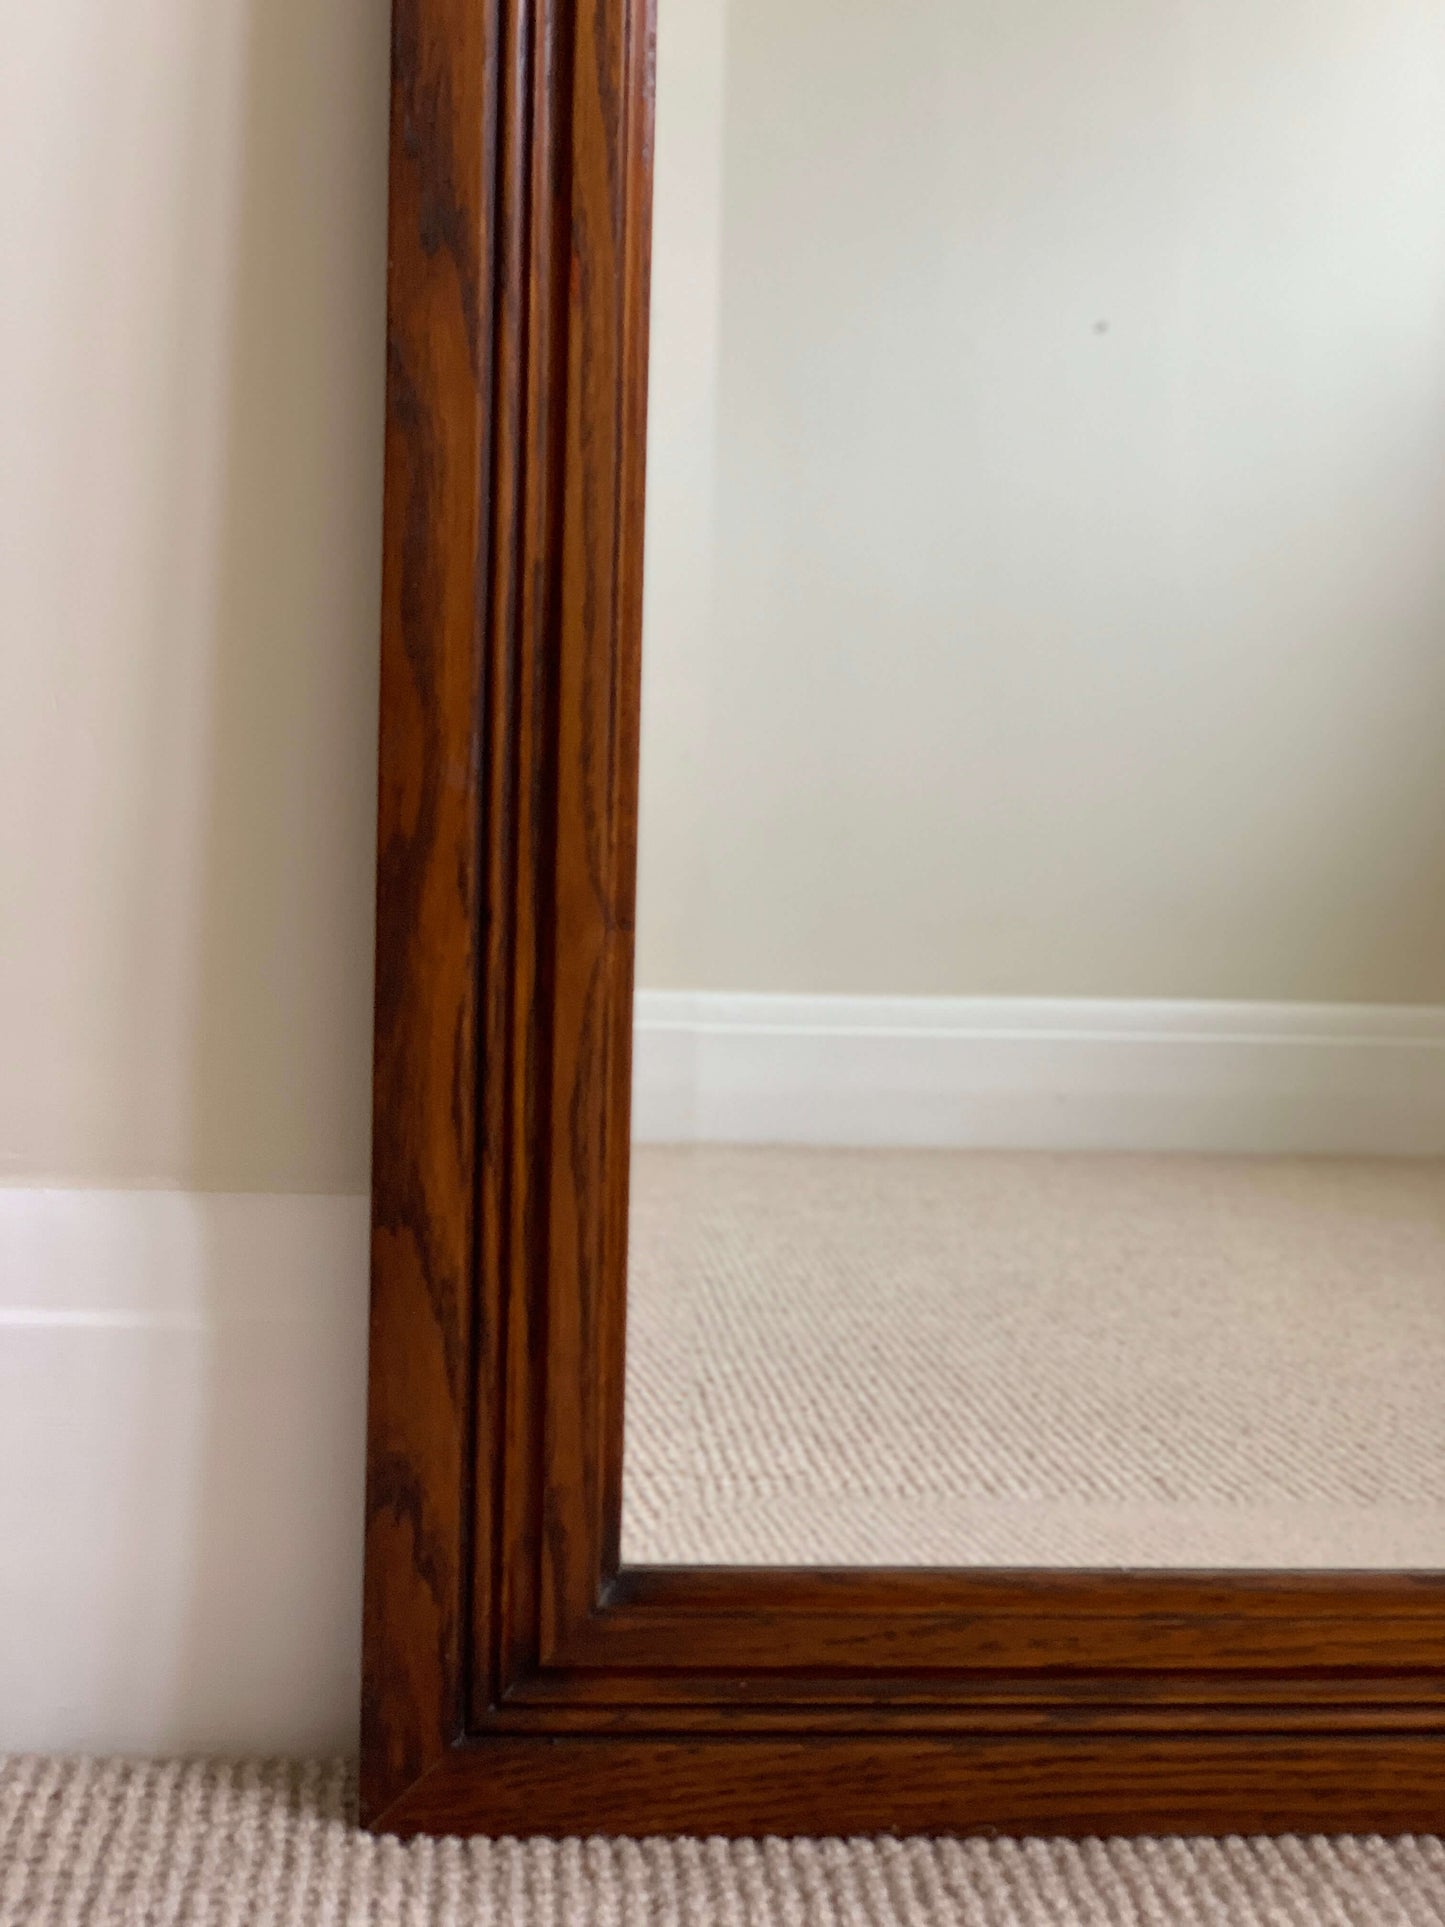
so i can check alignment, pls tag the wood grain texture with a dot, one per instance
(517, 845)
(516, 429)
(940, 1622)
(1063, 1784)
(599, 615)
(515, 1678)
(439, 343)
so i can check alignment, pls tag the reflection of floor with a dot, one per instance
(866, 1357)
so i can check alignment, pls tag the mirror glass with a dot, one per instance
(1039, 1057)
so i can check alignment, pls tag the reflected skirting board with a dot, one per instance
(1060, 1074)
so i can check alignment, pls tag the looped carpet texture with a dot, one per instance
(87, 1843)
(944, 1358)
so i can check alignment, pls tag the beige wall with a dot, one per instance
(191, 364)
(988, 649)
(1047, 592)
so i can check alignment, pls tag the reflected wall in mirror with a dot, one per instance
(1039, 1062)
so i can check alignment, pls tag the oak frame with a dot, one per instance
(515, 1678)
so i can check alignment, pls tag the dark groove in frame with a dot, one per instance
(496, 1082)
(495, 1032)
(476, 1522)
(514, 1678)
(541, 425)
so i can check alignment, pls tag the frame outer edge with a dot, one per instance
(439, 344)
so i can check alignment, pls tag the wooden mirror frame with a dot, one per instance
(517, 1679)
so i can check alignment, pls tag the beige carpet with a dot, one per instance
(171, 1845)
(865, 1356)
(952, 1358)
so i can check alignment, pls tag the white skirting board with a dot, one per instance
(182, 1423)
(1039, 1074)
(182, 1375)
